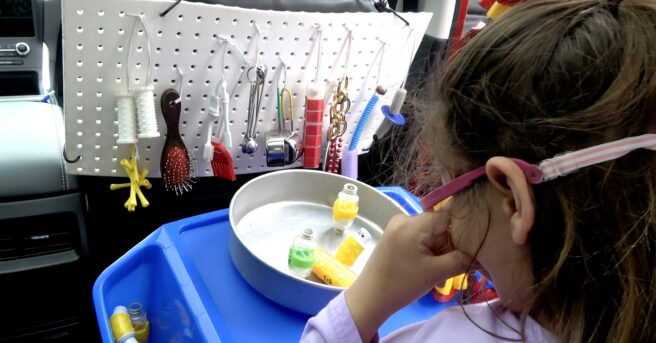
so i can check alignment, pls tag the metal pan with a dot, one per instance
(269, 211)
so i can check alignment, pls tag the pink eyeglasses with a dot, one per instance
(549, 169)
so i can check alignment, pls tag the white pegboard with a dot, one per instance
(95, 44)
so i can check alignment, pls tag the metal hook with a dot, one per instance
(383, 6)
(66, 157)
(284, 70)
(179, 99)
(166, 11)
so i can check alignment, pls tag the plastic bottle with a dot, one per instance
(301, 254)
(331, 271)
(139, 319)
(122, 329)
(352, 247)
(345, 208)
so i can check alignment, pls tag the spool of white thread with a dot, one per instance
(397, 101)
(147, 117)
(127, 119)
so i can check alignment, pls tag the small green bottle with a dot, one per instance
(301, 254)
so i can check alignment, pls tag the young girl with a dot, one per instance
(569, 236)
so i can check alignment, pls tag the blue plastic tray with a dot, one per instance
(183, 275)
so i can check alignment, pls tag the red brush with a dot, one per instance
(222, 162)
(175, 163)
(220, 158)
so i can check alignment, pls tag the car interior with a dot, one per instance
(59, 231)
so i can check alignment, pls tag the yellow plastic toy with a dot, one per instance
(331, 271)
(352, 247)
(135, 184)
(497, 10)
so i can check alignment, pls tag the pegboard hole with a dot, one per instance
(79, 79)
(139, 49)
(80, 108)
(209, 67)
(207, 82)
(196, 35)
(101, 13)
(80, 46)
(199, 19)
(119, 48)
(80, 29)
(180, 17)
(159, 33)
(99, 63)
(80, 11)
(138, 65)
(176, 51)
(140, 32)
(194, 51)
(119, 64)
(184, 122)
(113, 171)
(217, 20)
(178, 34)
(97, 146)
(101, 30)
(80, 133)
(80, 93)
(235, 21)
(121, 14)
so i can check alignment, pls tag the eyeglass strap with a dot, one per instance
(567, 163)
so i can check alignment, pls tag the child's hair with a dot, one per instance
(552, 76)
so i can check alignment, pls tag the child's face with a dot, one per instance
(500, 258)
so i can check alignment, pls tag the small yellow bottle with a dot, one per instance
(345, 208)
(331, 271)
(352, 247)
(140, 322)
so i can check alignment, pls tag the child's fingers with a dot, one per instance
(450, 264)
(434, 221)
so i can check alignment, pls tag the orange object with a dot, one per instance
(331, 271)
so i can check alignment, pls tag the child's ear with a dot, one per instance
(519, 203)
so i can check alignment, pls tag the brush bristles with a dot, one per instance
(178, 171)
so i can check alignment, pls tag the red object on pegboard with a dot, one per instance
(509, 2)
(486, 3)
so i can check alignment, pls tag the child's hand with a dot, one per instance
(413, 255)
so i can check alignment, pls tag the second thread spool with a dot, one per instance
(147, 118)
